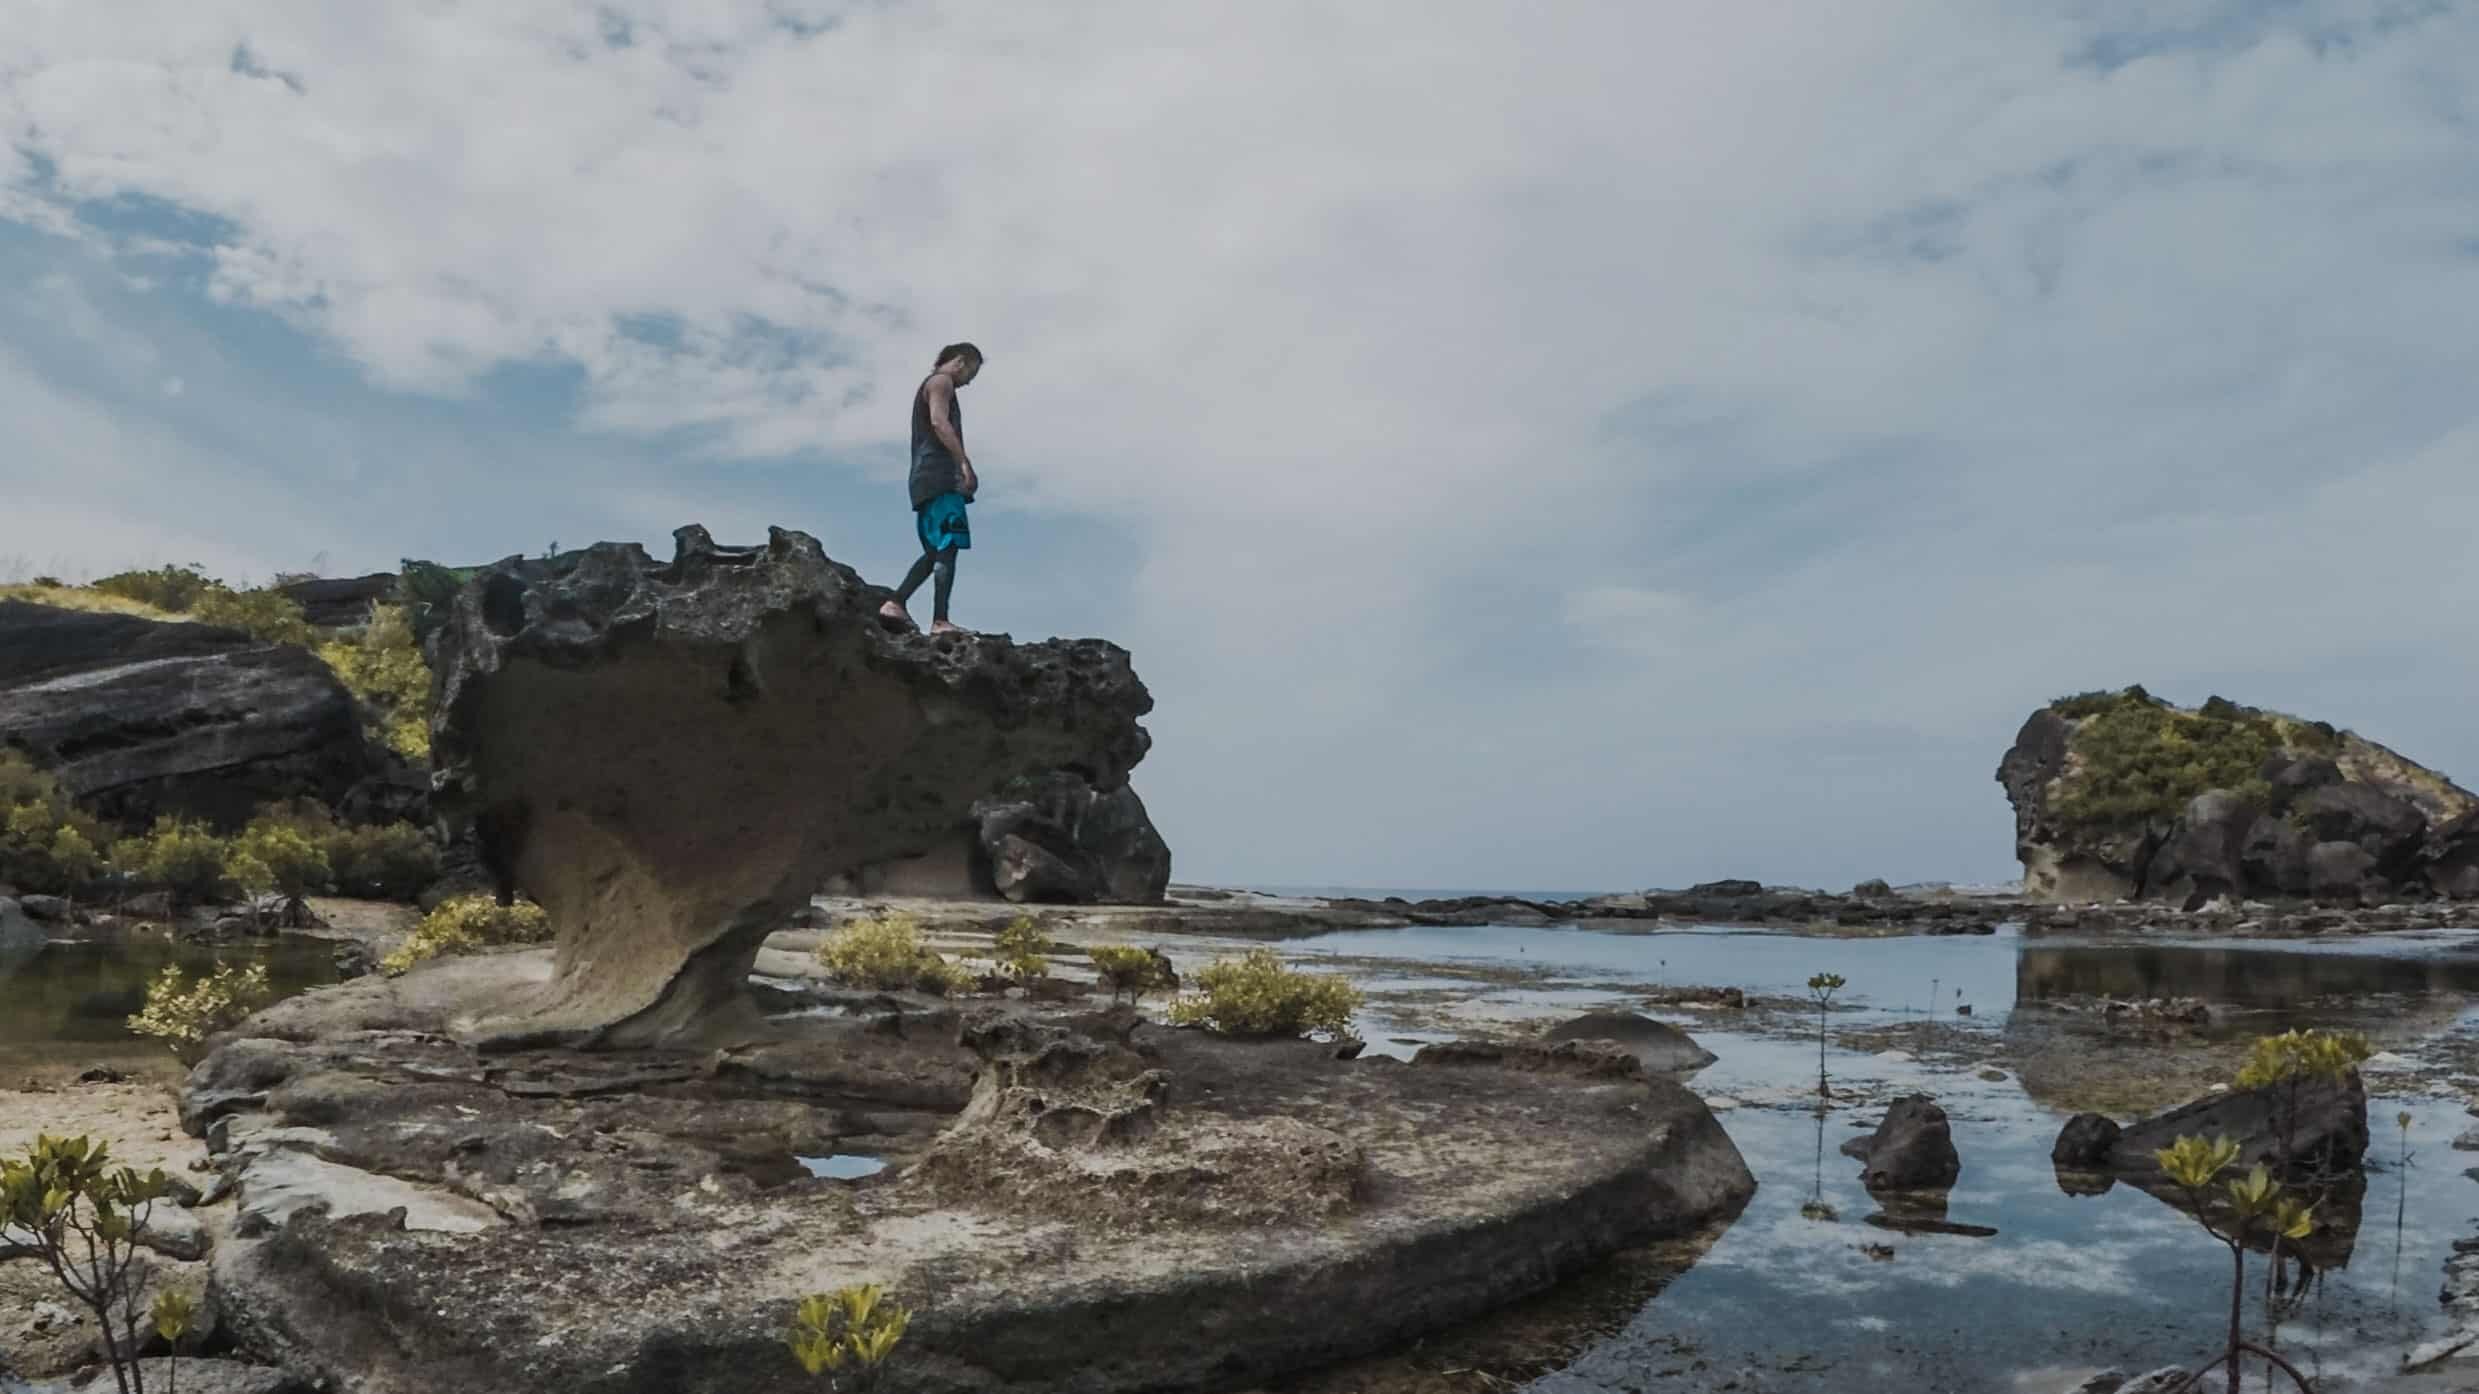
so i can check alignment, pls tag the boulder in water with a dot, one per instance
(1912, 1149)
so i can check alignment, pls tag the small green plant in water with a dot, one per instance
(171, 1316)
(182, 1014)
(1255, 995)
(1821, 989)
(847, 1335)
(466, 923)
(1130, 971)
(1020, 947)
(2288, 1062)
(2256, 1204)
(82, 1216)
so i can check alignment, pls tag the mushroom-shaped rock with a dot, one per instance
(672, 757)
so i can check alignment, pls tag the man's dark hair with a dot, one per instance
(952, 350)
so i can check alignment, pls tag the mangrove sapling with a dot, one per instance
(847, 1334)
(2257, 1205)
(1815, 1208)
(171, 1316)
(1821, 988)
(2401, 1199)
(83, 1217)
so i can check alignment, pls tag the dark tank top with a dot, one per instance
(934, 470)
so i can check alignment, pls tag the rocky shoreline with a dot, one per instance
(1747, 904)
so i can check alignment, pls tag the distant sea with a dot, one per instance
(1986, 888)
(1411, 892)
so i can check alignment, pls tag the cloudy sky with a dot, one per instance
(1525, 445)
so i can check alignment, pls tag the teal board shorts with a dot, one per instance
(942, 524)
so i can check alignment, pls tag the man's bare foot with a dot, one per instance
(947, 627)
(895, 611)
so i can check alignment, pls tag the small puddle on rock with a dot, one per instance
(843, 1166)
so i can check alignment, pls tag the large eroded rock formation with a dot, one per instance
(141, 717)
(671, 757)
(2123, 796)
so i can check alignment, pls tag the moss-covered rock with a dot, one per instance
(2121, 795)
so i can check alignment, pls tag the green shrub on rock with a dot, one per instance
(1130, 971)
(386, 861)
(467, 923)
(279, 856)
(886, 953)
(176, 589)
(1256, 995)
(386, 673)
(180, 855)
(46, 844)
(270, 617)
(2135, 758)
(183, 1014)
(1020, 947)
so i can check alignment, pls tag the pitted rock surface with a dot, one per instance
(671, 757)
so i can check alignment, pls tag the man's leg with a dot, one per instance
(912, 579)
(944, 565)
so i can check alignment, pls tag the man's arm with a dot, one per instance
(942, 425)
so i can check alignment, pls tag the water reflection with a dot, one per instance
(2247, 977)
(55, 991)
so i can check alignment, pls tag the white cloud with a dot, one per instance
(1888, 368)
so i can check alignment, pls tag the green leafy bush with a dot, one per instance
(182, 856)
(1255, 995)
(388, 861)
(886, 953)
(1020, 947)
(82, 1217)
(46, 844)
(183, 1013)
(273, 854)
(384, 669)
(2139, 759)
(1130, 971)
(176, 589)
(268, 616)
(852, 1328)
(467, 923)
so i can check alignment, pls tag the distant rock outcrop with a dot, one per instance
(2121, 796)
(340, 602)
(671, 756)
(139, 717)
(1050, 838)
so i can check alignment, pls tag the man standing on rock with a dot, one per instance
(943, 482)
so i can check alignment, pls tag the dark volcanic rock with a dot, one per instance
(1055, 838)
(342, 601)
(2391, 829)
(528, 1209)
(2343, 873)
(2203, 858)
(2329, 1133)
(1913, 1149)
(2267, 832)
(670, 757)
(137, 717)
(1660, 1047)
(2085, 1143)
